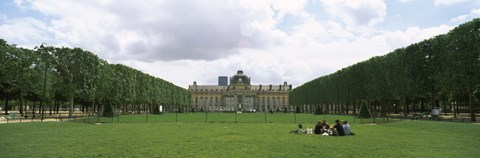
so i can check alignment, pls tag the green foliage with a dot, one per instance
(364, 112)
(77, 76)
(428, 70)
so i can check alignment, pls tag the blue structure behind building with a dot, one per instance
(222, 80)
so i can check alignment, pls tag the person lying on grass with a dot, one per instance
(299, 130)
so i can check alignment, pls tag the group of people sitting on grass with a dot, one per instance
(341, 128)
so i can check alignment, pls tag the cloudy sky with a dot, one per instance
(272, 41)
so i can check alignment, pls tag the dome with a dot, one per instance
(240, 78)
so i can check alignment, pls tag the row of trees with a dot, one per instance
(440, 71)
(48, 76)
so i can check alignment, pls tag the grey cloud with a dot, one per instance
(184, 30)
(110, 42)
(137, 47)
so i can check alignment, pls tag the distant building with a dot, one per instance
(222, 80)
(240, 96)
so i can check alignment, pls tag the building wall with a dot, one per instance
(263, 100)
(240, 95)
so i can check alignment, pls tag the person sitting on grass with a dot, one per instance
(339, 128)
(324, 125)
(318, 128)
(327, 132)
(346, 127)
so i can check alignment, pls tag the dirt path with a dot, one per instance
(29, 120)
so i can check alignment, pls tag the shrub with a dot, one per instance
(108, 110)
(318, 110)
(364, 112)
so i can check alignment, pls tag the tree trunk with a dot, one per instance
(422, 106)
(6, 104)
(94, 104)
(456, 108)
(124, 111)
(21, 102)
(108, 109)
(383, 111)
(98, 107)
(472, 107)
(43, 109)
(33, 107)
(58, 106)
(156, 109)
(347, 107)
(405, 106)
(51, 106)
(70, 113)
(145, 108)
(354, 110)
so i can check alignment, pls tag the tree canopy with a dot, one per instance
(47, 74)
(445, 66)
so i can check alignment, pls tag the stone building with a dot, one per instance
(240, 96)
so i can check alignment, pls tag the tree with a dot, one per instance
(445, 66)
(364, 112)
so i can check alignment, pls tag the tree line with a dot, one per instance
(443, 71)
(47, 77)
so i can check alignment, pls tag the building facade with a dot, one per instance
(240, 96)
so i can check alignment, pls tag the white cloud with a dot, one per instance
(474, 13)
(160, 30)
(26, 32)
(183, 41)
(448, 2)
(294, 7)
(299, 60)
(19, 3)
(357, 12)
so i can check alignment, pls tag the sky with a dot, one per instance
(196, 40)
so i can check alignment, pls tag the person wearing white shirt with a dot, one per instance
(346, 128)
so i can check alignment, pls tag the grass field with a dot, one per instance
(397, 139)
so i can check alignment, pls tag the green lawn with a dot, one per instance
(397, 139)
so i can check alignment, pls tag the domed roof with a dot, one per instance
(240, 78)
